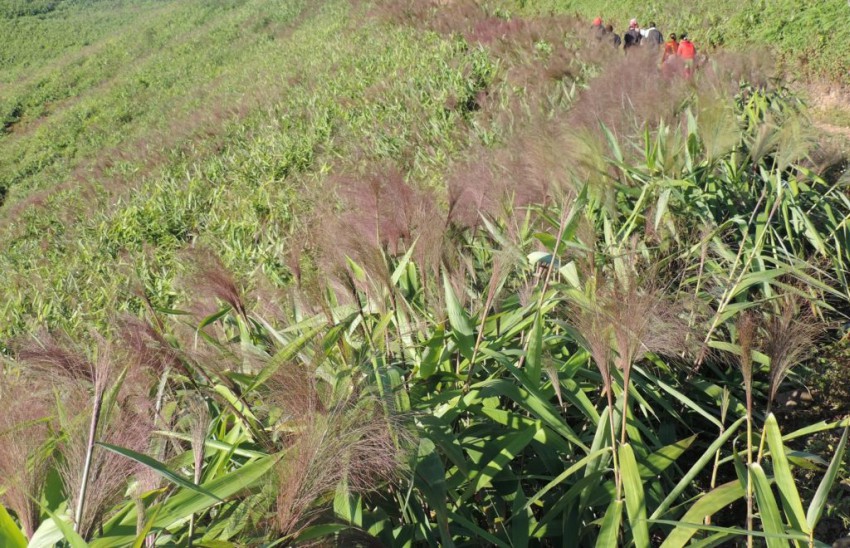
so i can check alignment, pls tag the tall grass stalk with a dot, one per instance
(199, 427)
(746, 336)
(92, 438)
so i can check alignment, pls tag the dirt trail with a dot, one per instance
(840, 131)
(831, 108)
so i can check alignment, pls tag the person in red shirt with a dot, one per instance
(687, 52)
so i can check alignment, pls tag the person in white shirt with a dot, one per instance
(651, 36)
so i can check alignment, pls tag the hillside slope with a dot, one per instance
(134, 130)
(189, 123)
(806, 35)
(410, 273)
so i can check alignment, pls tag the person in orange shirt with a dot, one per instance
(669, 61)
(687, 52)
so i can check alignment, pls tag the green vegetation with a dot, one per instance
(393, 273)
(152, 164)
(804, 34)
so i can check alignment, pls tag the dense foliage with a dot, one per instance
(439, 280)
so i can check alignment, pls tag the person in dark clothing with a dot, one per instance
(613, 36)
(652, 36)
(632, 36)
(598, 29)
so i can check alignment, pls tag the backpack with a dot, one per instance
(631, 38)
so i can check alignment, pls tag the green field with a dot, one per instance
(803, 35)
(401, 273)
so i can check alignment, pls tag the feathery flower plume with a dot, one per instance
(746, 335)
(212, 279)
(93, 477)
(25, 429)
(790, 338)
(347, 445)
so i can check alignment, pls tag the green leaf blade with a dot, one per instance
(635, 496)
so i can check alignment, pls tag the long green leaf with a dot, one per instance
(47, 535)
(430, 479)
(662, 459)
(185, 502)
(531, 400)
(508, 448)
(610, 529)
(159, 468)
(683, 398)
(594, 485)
(705, 506)
(564, 475)
(73, 538)
(10, 535)
(819, 501)
(534, 356)
(689, 476)
(459, 320)
(771, 519)
(791, 502)
(635, 496)
(728, 531)
(284, 355)
(815, 428)
(477, 531)
(217, 445)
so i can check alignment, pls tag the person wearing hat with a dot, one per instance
(632, 36)
(687, 52)
(598, 29)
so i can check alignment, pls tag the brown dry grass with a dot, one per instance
(77, 381)
(25, 428)
(331, 449)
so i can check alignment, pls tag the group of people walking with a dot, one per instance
(679, 53)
